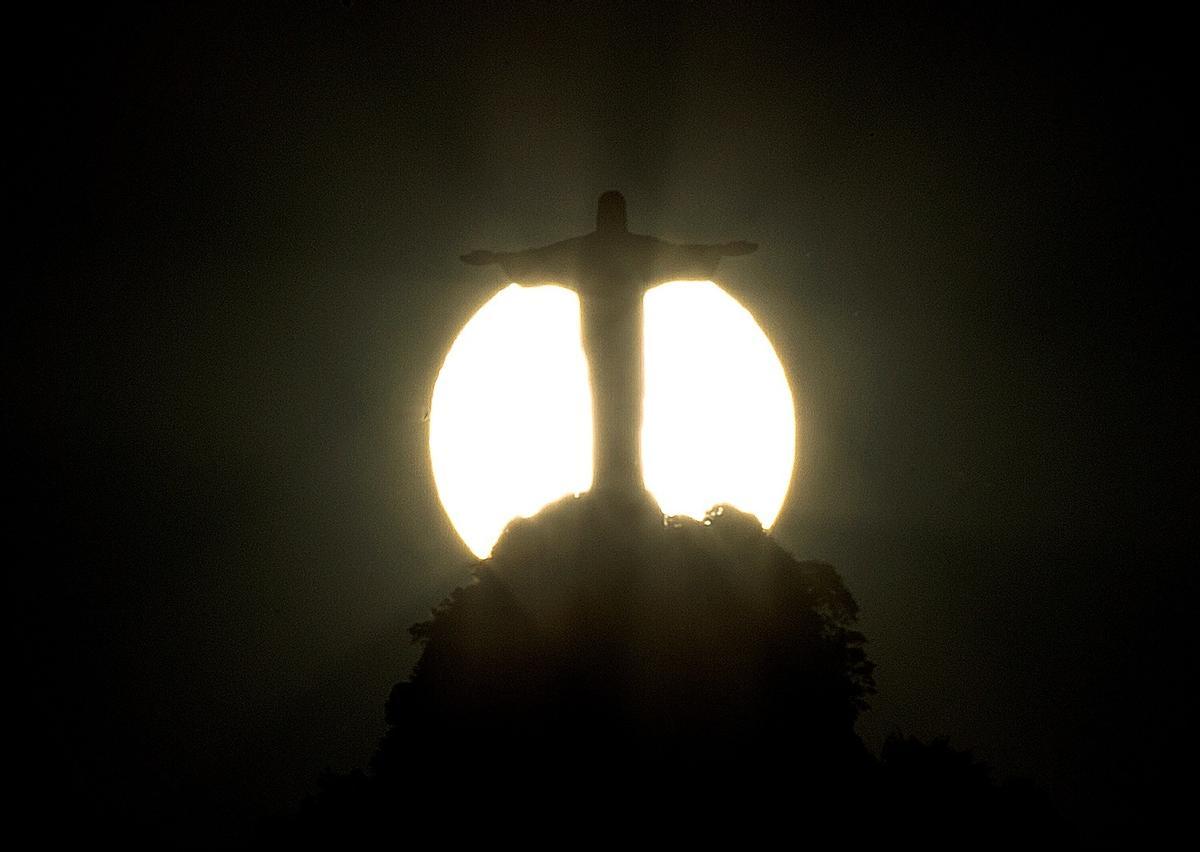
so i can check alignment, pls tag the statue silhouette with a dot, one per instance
(611, 269)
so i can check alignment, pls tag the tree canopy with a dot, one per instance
(609, 668)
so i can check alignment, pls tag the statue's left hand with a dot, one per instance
(480, 258)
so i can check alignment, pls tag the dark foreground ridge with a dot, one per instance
(609, 675)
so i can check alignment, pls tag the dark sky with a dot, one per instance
(237, 275)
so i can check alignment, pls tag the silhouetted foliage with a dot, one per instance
(608, 669)
(946, 796)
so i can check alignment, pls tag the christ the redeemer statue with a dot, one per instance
(611, 269)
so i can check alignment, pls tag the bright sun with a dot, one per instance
(510, 427)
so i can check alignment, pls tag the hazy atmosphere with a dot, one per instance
(238, 275)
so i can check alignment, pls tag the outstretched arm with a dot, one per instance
(481, 258)
(555, 262)
(696, 260)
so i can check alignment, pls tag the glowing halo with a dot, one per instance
(718, 424)
(510, 425)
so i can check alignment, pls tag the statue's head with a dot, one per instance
(610, 212)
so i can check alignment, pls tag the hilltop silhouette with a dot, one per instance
(608, 674)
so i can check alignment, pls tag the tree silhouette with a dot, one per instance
(936, 792)
(609, 669)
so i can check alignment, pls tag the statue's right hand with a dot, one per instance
(480, 258)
